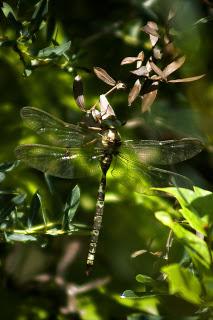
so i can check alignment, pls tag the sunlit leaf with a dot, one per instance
(194, 245)
(134, 92)
(194, 220)
(183, 282)
(140, 301)
(104, 76)
(186, 196)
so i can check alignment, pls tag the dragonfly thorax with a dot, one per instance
(111, 140)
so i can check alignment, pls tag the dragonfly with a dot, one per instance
(87, 148)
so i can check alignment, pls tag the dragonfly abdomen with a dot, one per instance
(105, 164)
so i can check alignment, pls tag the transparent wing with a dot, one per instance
(140, 178)
(162, 152)
(60, 162)
(53, 129)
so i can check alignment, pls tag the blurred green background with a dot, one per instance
(46, 280)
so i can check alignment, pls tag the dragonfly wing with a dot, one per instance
(53, 129)
(162, 152)
(59, 162)
(140, 178)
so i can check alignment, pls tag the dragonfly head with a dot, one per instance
(111, 138)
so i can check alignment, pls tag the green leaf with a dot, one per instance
(38, 15)
(184, 196)
(71, 207)
(183, 282)
(7, 9)
(2, 176)
(142, 316)
(207, 281)
(194, 221)
(11, 17)
(8, 166)
(34, 209)
(195, 246)
(130, 294)
(20, 237)
(146, 302)
(51, 23)
(7, 43)
(7, 206)
(54, 52)
(144, 279)
(19, 199)
(204, 205)
(199, 202)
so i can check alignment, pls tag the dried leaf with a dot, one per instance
(173, 66)
(155, 77)
(157, 53)
(156, 69)
(106, 109)
(190, 79)
(128, 60)
(134, 92)
(149, 97)
(151, 28)
(138, 253)
(141, 59)
(170, 49)
(148, 67)
(141, 56)
(78, 92)
(172, 14)
(142, 71)
(104, 76)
